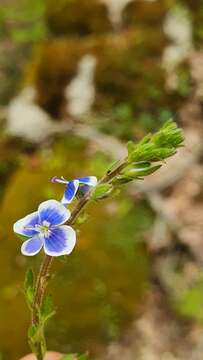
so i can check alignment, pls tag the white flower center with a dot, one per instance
(44, 228)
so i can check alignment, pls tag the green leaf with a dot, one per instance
(159, 146)
(82, 218)
(121, 179)
(102, 191)
(170, 124)
(29, 286)
(63, 258)
(146, 139)
(32, 332)
(29, 279)
(114, 165)
(75, 357)
(29, 294)
(149, 152)
(169, 135)
(21, 237)
(135, 172)
(47, 309)
(82, 357)
(190, 303)
(168, 138)
(70, 357)
(131, 147)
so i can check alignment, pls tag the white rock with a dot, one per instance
(178, 28)
(80, 92)
(116, 7)
(27, 120)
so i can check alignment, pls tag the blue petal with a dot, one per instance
(88, 180)
(32, 246)
(60, 241)
(53, 212)
(70, 191)
(22, 226)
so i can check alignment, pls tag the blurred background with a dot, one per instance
(79, 78)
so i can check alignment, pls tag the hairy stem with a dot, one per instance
(39, 345)
(110, 175)
(42, 279)
(40, 287)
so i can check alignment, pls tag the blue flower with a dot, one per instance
(79, 186)
(45, 229)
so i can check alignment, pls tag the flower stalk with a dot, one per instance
(44, 272)
(46, 228)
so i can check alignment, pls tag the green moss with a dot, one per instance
(122, 74)
(197, 17)
(123, 62)
(190, 303)
(128, 72)
(30, 184)
(10, 150)
(128, 75)
(53, 65)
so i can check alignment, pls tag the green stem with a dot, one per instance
(39, 345)
(40, 287)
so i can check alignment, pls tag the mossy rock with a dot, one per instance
(196, 11)
(128, 71)
(30, 183)
(122, 71)
(194, 6)
(148, 14)
(144, 13)
(54, 64)
(77, 17)
(11, 150)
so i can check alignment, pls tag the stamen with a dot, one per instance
(60, 180)
(30, 227)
